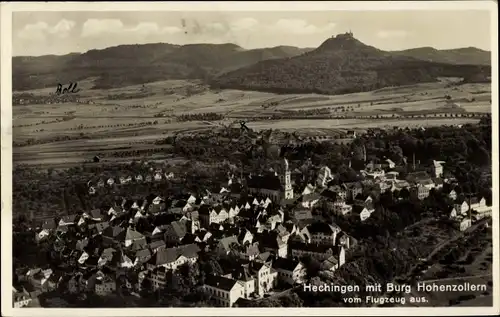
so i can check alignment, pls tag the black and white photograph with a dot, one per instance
(250, 158)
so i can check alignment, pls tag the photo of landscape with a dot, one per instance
(252, 159)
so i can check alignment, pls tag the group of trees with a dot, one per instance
(207, 116)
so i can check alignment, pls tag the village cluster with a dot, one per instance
(257, 226)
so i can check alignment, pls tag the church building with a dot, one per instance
(275, 185)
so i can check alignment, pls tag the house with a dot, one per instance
(224, 291)
(154, 246)
(283, 233)
(110, 181)
(290, 271)
(301, 214)
(477, 204)
(67, 220)
(157, 277)
(21, 298)
(309, 189)
(463, 223)
(125, 261)
(420, 191)
(202, 236)
(248, 252)
(319, 252)
(309, 200)
(113, 234)
(324, 176)
(175, 231)
(334, 193)
(391, 175)
(226, 245)
(323, 233)
(105, 285)
(345, 240)
(172, 258)
(245, 236)
(139, 178)
(364, 212)
(390, 164)
(363, 200)
(461, 208)
(46, 229)
(437, 168)
(140, 257)
(453, 212)
(100, 183)
(158, 177)
(106, 257)
(330, 264)
(265, 277)
(452, 194)
(341, 208)
(415, 177)
(273, 242)
(92, 190)
(352, 189)
(242, 274)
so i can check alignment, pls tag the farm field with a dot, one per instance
(102, 119)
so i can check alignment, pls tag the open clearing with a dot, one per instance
(100, 120)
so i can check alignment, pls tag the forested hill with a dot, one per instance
(137, 64)
(343, 64)
(459, 56)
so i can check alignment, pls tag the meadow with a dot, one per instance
(135, 117)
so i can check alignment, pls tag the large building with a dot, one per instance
(276, 186)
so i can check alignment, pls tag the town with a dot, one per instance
(253, 238)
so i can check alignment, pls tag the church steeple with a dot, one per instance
(287, 180)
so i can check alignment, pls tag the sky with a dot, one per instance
(63, 32)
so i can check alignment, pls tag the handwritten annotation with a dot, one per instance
(71, 89)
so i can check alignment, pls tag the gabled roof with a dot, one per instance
(112, 232)
(474, 201)
(220, 282)
(264, 256)
(267, 181)
(330, 262)
(316, 248)
(131, 234)
(322, 227)
(156, 244)
(49, 224)
(351, 185)
(101, 226)
(227, 241)
(69, 218)
(169, 255)
(177, 228)
(285, 264)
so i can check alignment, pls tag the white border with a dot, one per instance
(6, 10)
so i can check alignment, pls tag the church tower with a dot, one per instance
(286, 180)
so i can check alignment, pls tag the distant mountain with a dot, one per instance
(343, 64)
(136, 64)
(459, 56)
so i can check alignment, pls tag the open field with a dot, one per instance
(102, 119)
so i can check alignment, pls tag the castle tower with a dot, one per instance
(286, 180)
